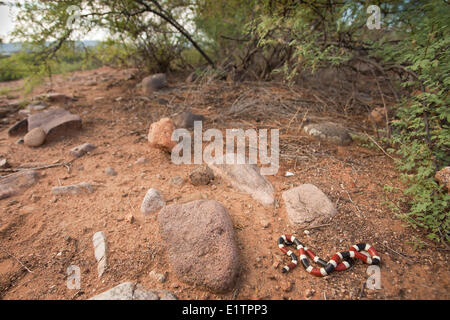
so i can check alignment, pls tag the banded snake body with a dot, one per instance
(340, 261)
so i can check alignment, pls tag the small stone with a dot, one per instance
(35, 198)
(329, 132)
(4, 164)
(443, 177)
(161, 277)
(177, 181)
(306, 232)
(160, 134)
(141, 160)
(186, 119)
(245, 177)
(130, 218)
(35, 137)
(82, 150)
(110, 171)
(287, 286)
(309, 293)
(202, 175)
(307, 205)
(153, 83)
(265, 224)
(153, 201)
(76, 189)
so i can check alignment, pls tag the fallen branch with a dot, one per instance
(373, 140)
(9, 254)
(59, 164)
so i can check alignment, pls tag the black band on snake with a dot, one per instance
(340, 261)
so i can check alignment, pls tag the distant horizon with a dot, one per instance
(7, 16)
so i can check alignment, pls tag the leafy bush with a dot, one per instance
(422, 134)
(413, 45)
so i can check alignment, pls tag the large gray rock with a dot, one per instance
(133, 291)
(307, 206)
(17, 183)
(329, 132)
(199, 241)
(245, 177)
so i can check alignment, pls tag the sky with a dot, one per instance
(6, 22)
(7, 16)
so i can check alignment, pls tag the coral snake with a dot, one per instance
(340, 261)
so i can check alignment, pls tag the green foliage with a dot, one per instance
(415, 40)
(421, 128)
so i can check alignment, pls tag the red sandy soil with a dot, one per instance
(35, 226)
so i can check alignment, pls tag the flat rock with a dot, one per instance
(54, 97)
(153, 83)
(35, 137)
(153, 201)
(330, 132)
(76, 189)
(81, 150)
(245, 177)
(18, 182)
(308, 206)
(99, 242)
(199, 241)
(160, 134)
(54, 122)
(133, 291)
(186, 119)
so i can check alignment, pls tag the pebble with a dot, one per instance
(177, 181)
(153, 201)
(81, 150)
(35, 137)
(161, 277)
(287, 286)
(130, 218)
(4, 164)
(141, 160)
(309, 293)
(202, 175)
(110, 171)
